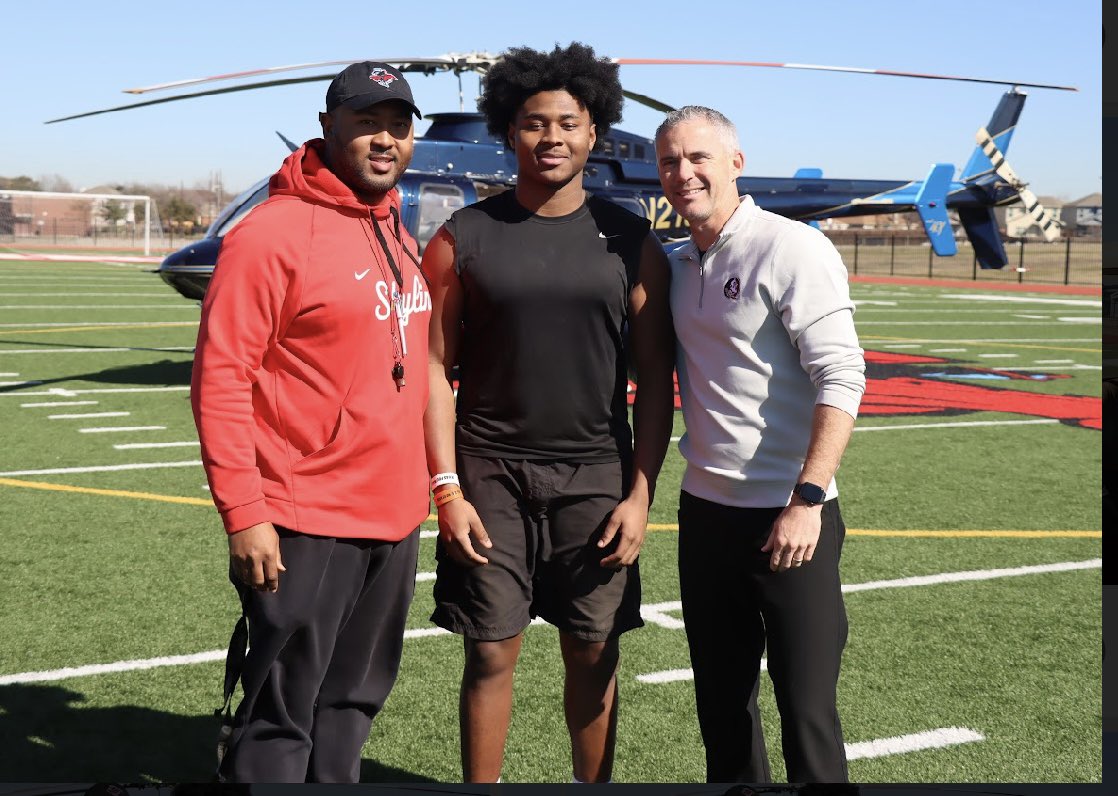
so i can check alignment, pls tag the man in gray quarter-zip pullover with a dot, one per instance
(770, 378)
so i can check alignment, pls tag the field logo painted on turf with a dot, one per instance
(896, 387)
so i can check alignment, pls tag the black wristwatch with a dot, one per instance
(811, 494)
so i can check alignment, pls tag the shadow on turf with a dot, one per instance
(48, 736)
(163, 373)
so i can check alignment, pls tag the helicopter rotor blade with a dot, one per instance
(291, 145)
(481, 62)
(651, 102)
(210, 92)
(456, 62)
(824, 68)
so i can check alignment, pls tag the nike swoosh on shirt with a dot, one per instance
(360, 276)
(604, 235)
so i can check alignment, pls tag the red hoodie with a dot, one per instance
(299, 418)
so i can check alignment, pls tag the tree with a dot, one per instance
(55, 182)
(21, 183)
(180, 211)
(113, 212)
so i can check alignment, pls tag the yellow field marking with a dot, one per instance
(98, 328)
(651, 526)
(106, 492)
(980, 534)
(876, 338)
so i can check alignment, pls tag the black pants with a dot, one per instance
(323, 655)
(733, 606)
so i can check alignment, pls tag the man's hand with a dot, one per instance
(794, 535)
(255, 556)
(627, 523)
(458, 522)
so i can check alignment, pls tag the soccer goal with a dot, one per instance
(47, 218)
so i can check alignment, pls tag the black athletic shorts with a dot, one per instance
(544, 519)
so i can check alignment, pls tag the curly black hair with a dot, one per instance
(523, 72)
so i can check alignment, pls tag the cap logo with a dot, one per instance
(382, 76)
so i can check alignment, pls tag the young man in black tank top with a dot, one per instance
(542, 496)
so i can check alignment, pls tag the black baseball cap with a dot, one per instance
(367, 83)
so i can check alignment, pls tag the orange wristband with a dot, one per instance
(447, 495)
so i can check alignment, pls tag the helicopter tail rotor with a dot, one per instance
(1041, 216)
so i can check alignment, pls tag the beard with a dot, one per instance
(354, 173)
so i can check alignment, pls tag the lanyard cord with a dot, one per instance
(387, 252)
(396, 220)
(397, 298)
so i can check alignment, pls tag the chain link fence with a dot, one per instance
(1068, 261)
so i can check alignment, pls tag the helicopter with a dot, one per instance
(457, 161)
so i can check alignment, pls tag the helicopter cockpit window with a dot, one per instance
(238, 210)
(436, 203)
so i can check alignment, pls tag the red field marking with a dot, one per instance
(895, 387)
(79, 258)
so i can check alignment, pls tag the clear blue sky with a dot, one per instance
(60, 58)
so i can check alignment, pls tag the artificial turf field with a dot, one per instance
(972, 561)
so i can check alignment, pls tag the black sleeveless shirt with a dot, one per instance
(542, 366)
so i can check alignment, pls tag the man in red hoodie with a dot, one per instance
(312, 437)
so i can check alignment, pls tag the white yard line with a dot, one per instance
(943, 308)
(1055, 361)
(19, 384)
(1095, 340)
(177, 305)
(63, 391)
(153, 324)
(996, 297)
(914, 742)
(104, 468)
(116, 281)
(56, 294)
(973, 575)
(112, 429)
(119, 666)
(961, 424)
(973, 323)
(145, 281)
(658, 613)
(679, 675)
(87, 415)
(9, 375)
(1053, 367)
(58, 403)
(104, 259)
(128, 446)
(652, 610)
(1081, 319)
(998, 356)
(89, 350)
(946, 350)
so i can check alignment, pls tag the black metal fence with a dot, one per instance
(1068, 261)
